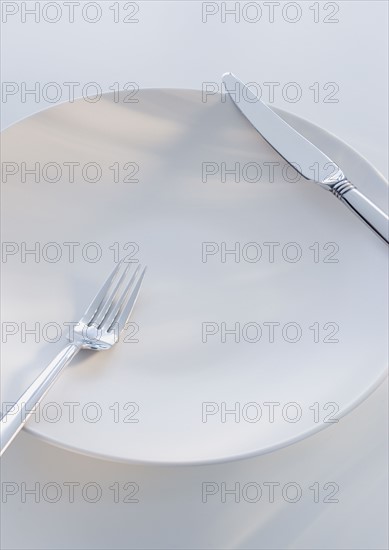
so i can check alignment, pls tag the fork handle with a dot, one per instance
(12, 422)
(369, 213)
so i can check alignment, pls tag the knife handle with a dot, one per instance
(375, 218)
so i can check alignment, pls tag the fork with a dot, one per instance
(98, 329)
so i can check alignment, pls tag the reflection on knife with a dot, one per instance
(303, 155)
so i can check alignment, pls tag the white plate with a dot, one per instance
(170, 372)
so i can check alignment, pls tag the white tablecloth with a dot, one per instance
(171, 46)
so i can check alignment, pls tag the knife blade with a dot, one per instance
(304, 156)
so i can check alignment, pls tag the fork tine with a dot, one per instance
(108, 300)
(97, 300)
(114, 307)
(124, 306)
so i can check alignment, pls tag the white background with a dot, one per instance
(171, 47)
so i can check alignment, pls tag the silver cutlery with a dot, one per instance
(304, 156)
(98, 329)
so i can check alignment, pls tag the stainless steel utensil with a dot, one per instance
(304, 156)
(98, 329)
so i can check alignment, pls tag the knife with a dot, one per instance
(304, 156)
